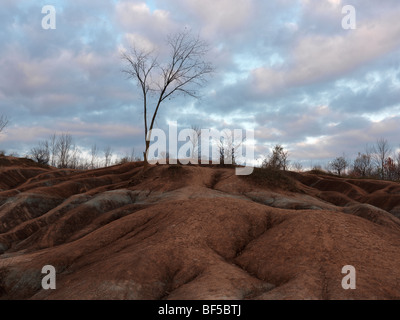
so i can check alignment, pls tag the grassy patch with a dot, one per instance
(320, 172)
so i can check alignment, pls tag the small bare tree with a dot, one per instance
(362, 164)
(279, 159)
(227, 146)
(185, 70)
(297, 166)
(3, 122)
(131, 157)
(93, 156)
(397, 159)
(339, 165)
(107, 156)
(41, 153)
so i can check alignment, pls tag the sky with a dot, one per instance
(286, 69)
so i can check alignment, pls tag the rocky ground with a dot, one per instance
(190, 232)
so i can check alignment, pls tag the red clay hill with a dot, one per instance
(192, 232)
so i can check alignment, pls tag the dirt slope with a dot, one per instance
(188, 232)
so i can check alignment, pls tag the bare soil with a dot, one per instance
(192, 232)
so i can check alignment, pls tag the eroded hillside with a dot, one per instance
(190, 232)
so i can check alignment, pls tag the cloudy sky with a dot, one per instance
(285, 68)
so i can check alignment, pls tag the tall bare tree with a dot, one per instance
(185, 71)
(107, 156)
(75, 160)
(382, 151)
(53, 148)
(93, 156)
(64, 146)
(195, 139)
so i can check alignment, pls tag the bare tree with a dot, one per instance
(75, 160)
(297, 166)
(382, 150)
(316, 167)
(3, 122)
(397, 159)
(362, 164)
(339, 165)
(93, 156)
(64, 145)
(185, 70)
(285, 160)
(279, 159)
(128, 157)
(131, 157)
(107, 156)
(227, 146)
(41, 153)
(391, 169)
(53, 148)
(195, 140)
(223, 151)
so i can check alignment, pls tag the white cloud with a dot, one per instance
(140, 42)
(136, 16)
(220, 16)
(320, 57)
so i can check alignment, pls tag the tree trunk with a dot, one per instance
(146, 162)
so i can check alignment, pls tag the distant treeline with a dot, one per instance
(61, 151)
(379, 161)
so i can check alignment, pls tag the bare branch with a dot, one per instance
(3, 122)
(107, 156)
